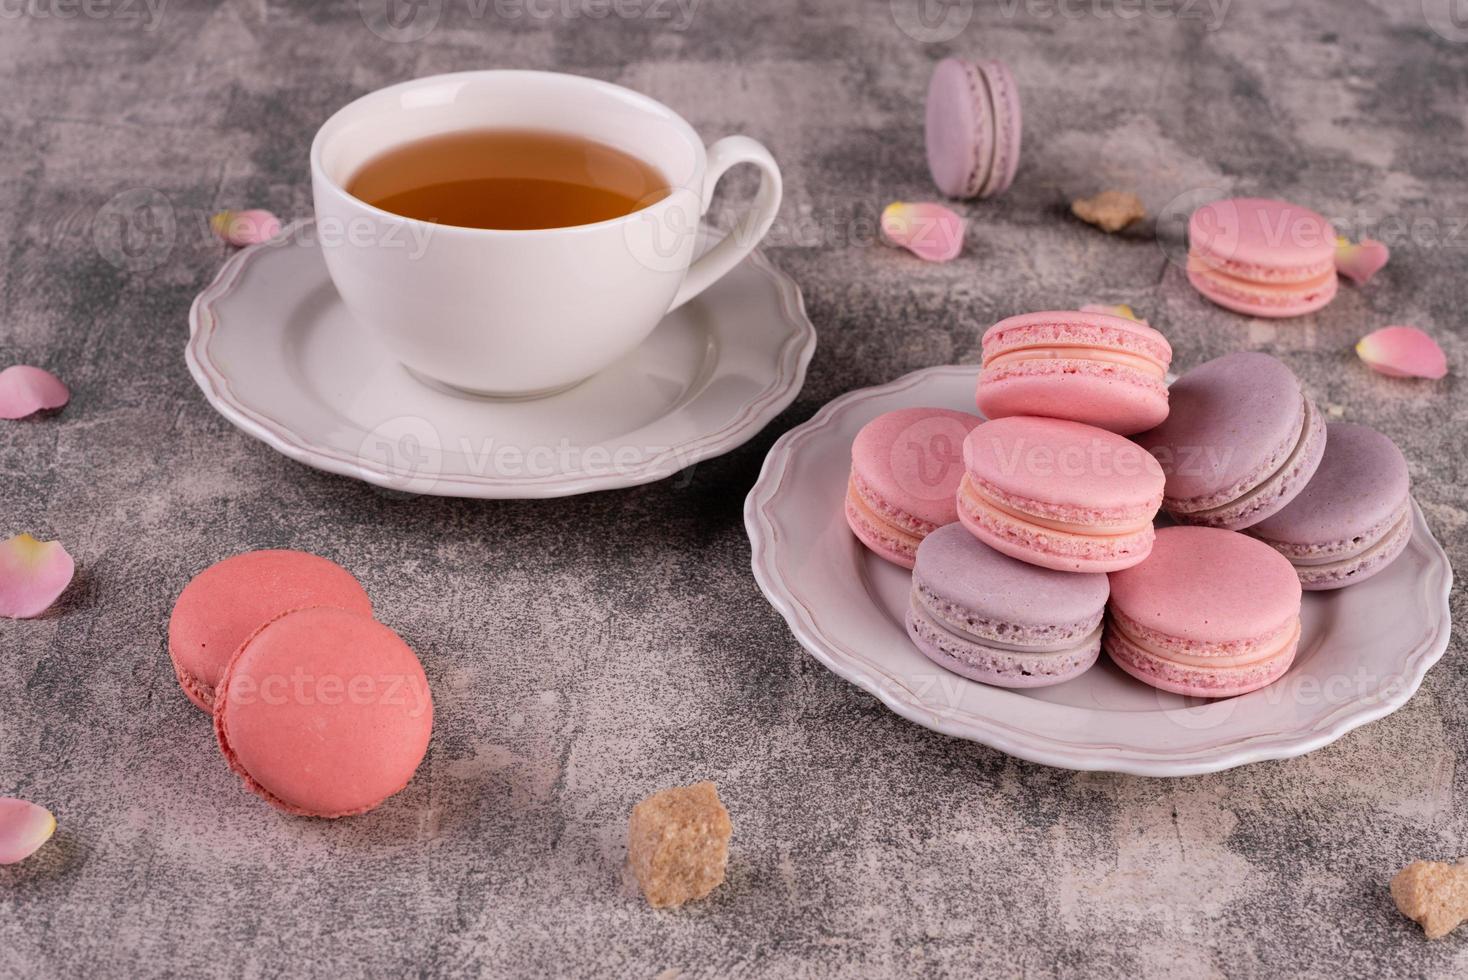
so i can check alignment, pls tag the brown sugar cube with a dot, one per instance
(1111, 211)
(678, 843)
(1433, 894)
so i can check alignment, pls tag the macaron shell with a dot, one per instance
(1008, 126)
(1075, 472)
(958, 129)
(230, 599)
(1233, 422)
(984, 592)
(909, 462)
(324, 712)
(996, 666)
(1208, 589)
(1262, 239)
(1079, 390)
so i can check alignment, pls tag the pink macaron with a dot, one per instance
(1262, 257)
(1241, 441)
(905, 468)
(1059, 494)
(1210, 613)
(1095, 368)
(324, 713)
(230, 599)
(973, 127)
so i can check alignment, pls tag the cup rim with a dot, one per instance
(318, 170)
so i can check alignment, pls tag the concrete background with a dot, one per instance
(584, 652)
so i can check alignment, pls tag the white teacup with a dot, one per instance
(524, 313)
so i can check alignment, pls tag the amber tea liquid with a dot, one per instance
(508, 179)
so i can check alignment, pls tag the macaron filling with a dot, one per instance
(1024, 333)
(1023, 355)
(986, 661)
(1089, 521)
(1194, 653)
(1218, 680)
(876, 531)
(1254, 272)
(1272, 292)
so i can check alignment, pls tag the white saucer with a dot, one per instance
(276, 353)
(1363, 651)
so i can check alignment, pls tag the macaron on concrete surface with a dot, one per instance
(1353, 518)
(324, 713)
(1103, 370)
(994, 619)
(230, 599)
(1262, 257)
(905, 468)
(1240, 441)
(1059, 494)
(1210, 613)
(973, 127)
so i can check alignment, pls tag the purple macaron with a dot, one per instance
(998, 620)
(973, 127)
(1353, 518)
(1241, 440)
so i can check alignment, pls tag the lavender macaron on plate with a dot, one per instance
(1362, 653)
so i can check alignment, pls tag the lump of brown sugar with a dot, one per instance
(678, 843)
(1433, 894)
(1111, 211)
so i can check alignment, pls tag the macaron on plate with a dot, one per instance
(1358, 653)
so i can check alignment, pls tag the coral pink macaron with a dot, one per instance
(905, 468)
(230, 599)
(324, 713)
(1059, 494)
(1103, 370)
(1210, 613)
(1262, 257)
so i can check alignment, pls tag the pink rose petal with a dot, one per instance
(24, 827)
(1402, 352)
(25, 390)
(245, 227)
(1121, 310)
(1359, 262)
(929, 231)
(32, 575)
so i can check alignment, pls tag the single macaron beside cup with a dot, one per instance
(230, 599)
(972, 127)
(994, 619)
(1241, 440)
(1095, 368)
(1209, 614)
(1059, 494)
(324, 713)
(1353, 518)
(1262, 257)
(905, 468)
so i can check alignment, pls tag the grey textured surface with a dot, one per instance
(584, 652)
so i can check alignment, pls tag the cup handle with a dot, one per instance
(714, 264)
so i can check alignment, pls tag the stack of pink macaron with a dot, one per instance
(320, 709)
(1042, 526)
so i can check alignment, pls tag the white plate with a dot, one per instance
(1363, 652)
(276, 353)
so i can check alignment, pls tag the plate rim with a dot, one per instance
(791, 360)
(1263, 746)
